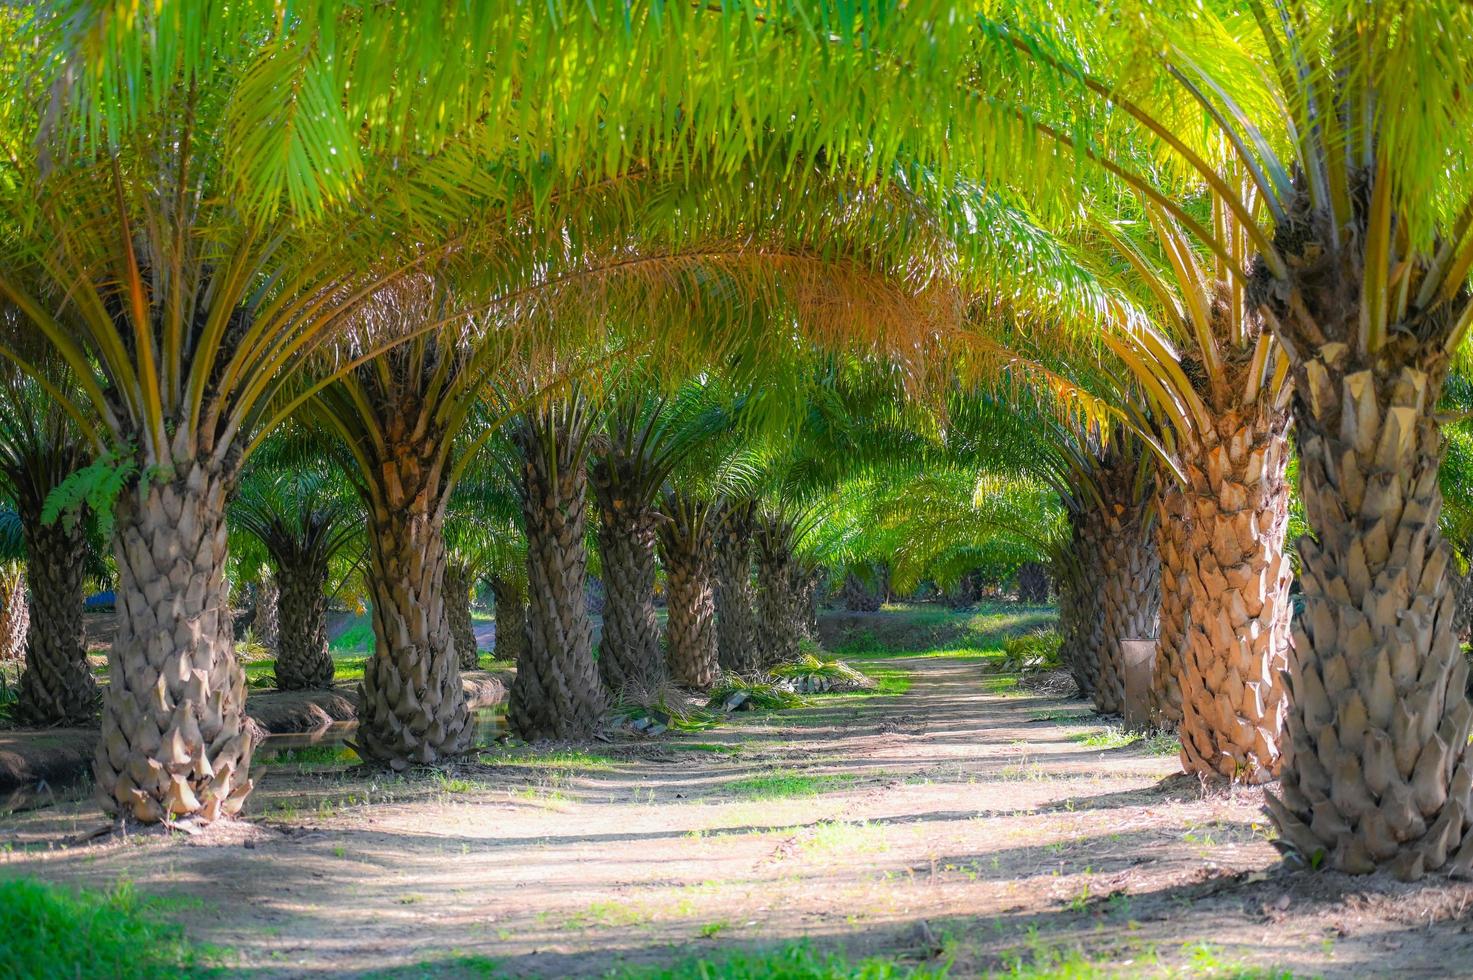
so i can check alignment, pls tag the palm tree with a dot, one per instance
(40, 451)
(14, 611)
(302, 515)
(735, 599)
(557, 692)
(1359, 253)
(644, 437)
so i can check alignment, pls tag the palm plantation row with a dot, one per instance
(1116, 256)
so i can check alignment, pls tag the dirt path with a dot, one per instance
(954, 820)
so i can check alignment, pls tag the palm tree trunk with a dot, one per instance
(1172, 542)
(511, 618)
(14, 612)
(1375, 772)
(779, 615)
(1117, 530)
(690, 635)
(458, 585)
(411, 704)
(810, 581)
(265, 619)
(859, 597)
(302, 658)
(557, 693)
(174, 742)
(1234, 577)
(57, 687)
(629, 646)
(736, 619)
(1033, 583)
(1081, 584)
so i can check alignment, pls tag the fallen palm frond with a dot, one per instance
(735, 693)
(656, 709)
(1031, 652)
(809, 675)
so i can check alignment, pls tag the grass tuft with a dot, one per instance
(46, 931)
(794, 961)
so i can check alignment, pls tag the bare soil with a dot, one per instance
(962, 820)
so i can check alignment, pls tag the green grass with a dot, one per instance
(778, 785)
(346, 667)
(559, 761)
(936, 632)
(794, 961)
(1106, 738)
(712, 747)
(311, 755)
(357, 638)
(46, 931)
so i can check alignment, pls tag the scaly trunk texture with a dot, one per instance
(629, 646)
(810, 584)
(57, 687)
(690, 632)
(557, 693)
(1033, 583)
(458, 584)
(736, 615)
(265, 620)
(1130, 569)
(1463, 616)
(1172, 540)
(511, 618)
(1081, 606)
(14, 613)
(411, 704)
(174, 740)
(1375, 770)
(1234, 577)
(860, 597)
(779, 606)
(302, 658)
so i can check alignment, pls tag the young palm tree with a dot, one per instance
(644, 437)
(557, 692)
(40, 449)
(735, 599)
(304, 519)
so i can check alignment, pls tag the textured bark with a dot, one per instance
(458, 585)
(1233, 577)
(57, 687)
(1463, 614)
(557, 692)
(779, 602)
(511, 618)
(174, 742)
(1172, 542)
(861, 595)
(687, 551)
(1033, 583)
(1080, 588)
(1375, 771)
(265, 619)
(14, 613)
(629, 646)
(736, 615)
(303, 660)
(1120, 534)
(412, 707)
(810, 585)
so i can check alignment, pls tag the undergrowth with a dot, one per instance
(795, 961)
(47, 931)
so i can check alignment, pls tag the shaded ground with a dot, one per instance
(961, 820)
